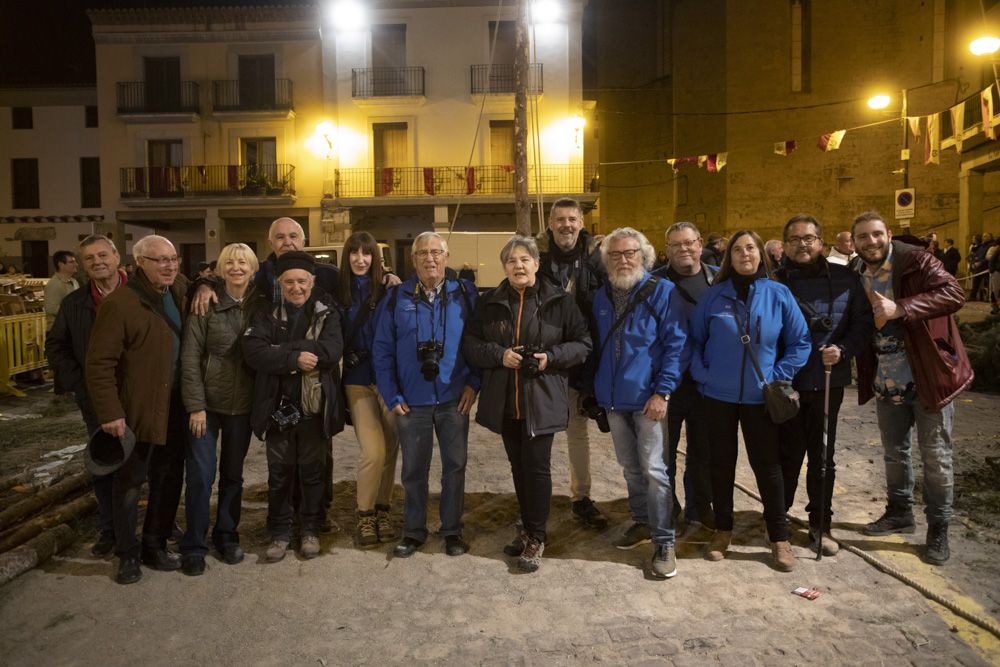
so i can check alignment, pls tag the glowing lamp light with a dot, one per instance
(321, 143)
(347, 16)
(878, 102)
(985, 46)
(545, 11)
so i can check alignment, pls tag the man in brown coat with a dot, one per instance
(133, 378)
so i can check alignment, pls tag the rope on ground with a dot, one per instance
(986, 623)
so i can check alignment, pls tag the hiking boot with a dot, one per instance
(894, 520)
(830, 547)
(516, 546)
(387, 531)
(936, 552)
(664, 561)
(586, 512)
(366, 533)
(276, 551)
(531, 557)
(719, 544)
(784, 559)
(310, 546)
(637, 533)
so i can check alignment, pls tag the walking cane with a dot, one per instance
(822, 462)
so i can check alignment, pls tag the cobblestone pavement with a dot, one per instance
(589, 602)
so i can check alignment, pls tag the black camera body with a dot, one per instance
(429, 353)
(529, 364)
(597, 413)
(354, 358)
(819, 322)
(286, 415)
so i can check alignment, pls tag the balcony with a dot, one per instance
(207, 181)
(486, 181)
(499, 79)
(374, 82)
(139, 98)
(230, 97)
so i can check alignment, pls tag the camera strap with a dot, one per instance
(356, 325)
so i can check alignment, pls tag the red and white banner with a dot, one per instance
(987, 105)
(831, 140)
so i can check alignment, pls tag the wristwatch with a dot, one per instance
(665, 397)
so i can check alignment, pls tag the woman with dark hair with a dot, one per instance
(361, 287)
(525, 335)
(744, 303)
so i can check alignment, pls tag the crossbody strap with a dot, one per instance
(745, 339)
(641, 295)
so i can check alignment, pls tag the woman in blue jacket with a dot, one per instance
(744, 299)
(374, 424)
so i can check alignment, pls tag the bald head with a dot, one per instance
(845, 244)
(286, 235)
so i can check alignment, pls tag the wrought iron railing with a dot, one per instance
(495, 79)
(243, 180)
(387, 82)
(230, 96)
(142, 97)
(483, 180)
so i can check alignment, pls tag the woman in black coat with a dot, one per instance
(525, 335)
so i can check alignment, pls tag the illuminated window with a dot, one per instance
(800, 45)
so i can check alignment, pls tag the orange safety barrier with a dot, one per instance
(22, 348)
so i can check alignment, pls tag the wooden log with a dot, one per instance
(16, 496)
(14, 480)
(71, 511)
(16, 562)
(42, 499)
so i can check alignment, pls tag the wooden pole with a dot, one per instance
(522, 205)
(71, 511)
(16, 562)
(42, 499)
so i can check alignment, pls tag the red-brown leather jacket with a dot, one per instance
(929, 296)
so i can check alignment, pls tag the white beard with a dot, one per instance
(626, 281)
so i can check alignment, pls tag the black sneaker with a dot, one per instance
(193, 565)
(129, 571)
(516, 546)
(454, 545)
(104, 545)
(586, 512)
(531, 557)
(937, 551)
(664, 561)
(637, 533)
(892, 521)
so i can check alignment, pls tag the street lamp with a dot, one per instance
(881, 101)
(985, 45)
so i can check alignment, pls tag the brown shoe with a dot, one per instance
(719, 544)
(784, 560)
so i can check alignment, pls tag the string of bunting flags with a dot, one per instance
(926, 130)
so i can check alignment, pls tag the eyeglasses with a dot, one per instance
(435, 253)
(801, 240)
(687, 245)
(627, 254)
(163, 261)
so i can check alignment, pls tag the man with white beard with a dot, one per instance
(638, 361)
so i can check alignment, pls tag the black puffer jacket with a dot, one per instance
(551, 320)
(66, 343)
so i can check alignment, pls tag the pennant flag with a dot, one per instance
(932, 140)
(958, 124)
(987, 103)
(702, 159)
(673, 164)
(716, 162)
(914, 122)
(785, 147)
(831, 140)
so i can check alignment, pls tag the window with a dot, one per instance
(503, 50)
(24, 182)
(801, 45)
(258, 151)
(163, 84)
(164, 158)
(21, 118)
(90, 116)
(257, 82)
(90, 182)
(389, 59)
(391, 149)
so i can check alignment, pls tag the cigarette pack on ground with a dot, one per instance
(807, 593)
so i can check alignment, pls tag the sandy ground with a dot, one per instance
(589, 602)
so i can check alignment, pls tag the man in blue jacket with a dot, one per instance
(841, 325)
(641, 333)
(423, 379)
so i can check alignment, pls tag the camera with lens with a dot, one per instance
(597, 413)
(286, 415)
(817, 321)
(354, 358)
(529, 363)
(429, 354)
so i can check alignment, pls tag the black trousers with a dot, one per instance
(163, 466)
(686, 408)
(760, 436)
(530, 465)
(103, 484)
(803, 435)
(296, 457)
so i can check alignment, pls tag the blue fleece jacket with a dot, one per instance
(361, 341)
(720, 363)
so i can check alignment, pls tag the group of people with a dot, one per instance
(291, 350)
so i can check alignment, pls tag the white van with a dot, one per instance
(331, 254)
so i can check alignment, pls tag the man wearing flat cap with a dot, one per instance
(133, 373)
(295, 348)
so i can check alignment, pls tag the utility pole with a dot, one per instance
(522, 205)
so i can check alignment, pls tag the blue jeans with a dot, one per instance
(896, 422)
(639, 449)
(200, 461)
(416, 440)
